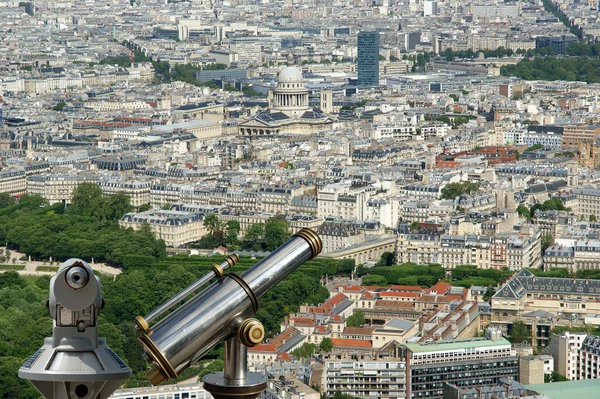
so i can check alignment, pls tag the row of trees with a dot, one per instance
(404, 274)
(571, 69)
(88, 229)
(258, 237)
(451, 55)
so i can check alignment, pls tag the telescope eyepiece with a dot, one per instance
(77, 277)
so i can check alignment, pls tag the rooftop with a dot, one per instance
(471, 343)
(581, 389)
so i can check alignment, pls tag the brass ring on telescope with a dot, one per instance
(313, 240)
(163, 365)
(218, 270)
(141, 323)
(232, 259)
(246, 288)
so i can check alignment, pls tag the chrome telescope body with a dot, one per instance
(221, 312)
(143, 323)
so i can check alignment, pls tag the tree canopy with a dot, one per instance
(357, 319)
(453, 190)
(87, 229)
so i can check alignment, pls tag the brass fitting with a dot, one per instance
(232, 259)
(141, 323)
(217, 270)
(251, 332)
(313, 240)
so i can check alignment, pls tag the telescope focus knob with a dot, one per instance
(251, 332)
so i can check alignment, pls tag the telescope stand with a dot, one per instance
(235, 381)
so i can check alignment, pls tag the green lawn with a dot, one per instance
(47, 268)
(12, 267)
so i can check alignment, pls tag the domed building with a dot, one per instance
(289, 112)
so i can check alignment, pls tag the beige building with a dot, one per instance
(13, 182)
(176, 228)
(525, 293)
(56, 188)
(137, 191)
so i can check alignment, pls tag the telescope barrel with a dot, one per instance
(214, 314)
(217, 271)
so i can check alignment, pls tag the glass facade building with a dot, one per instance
(368, 59)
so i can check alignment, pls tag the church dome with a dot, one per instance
(290, 75)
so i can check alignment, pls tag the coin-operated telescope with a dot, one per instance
(222, 312)
(75, 363)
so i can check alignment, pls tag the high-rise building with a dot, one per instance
(368, 59)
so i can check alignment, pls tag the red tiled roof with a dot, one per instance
(352, 343)
(399, 295)
(441, 288)
(336, 318)
(416, 288)
(283, 356)
(303, 321)
(263, 348)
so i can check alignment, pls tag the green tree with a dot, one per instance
(60, 106)
(6, 200)
(414, 226)
(305, 351)
(326, 345)
(592, 218)
(387, 259)
(523, 211)
(277, 231)
(85, 197)
(212, 222)
(356, 320)
(254, 236)
(555, 376)
(233, 232)
(546, 241)
(519, 333)
(453, 190)
(145, 207)
(340, 395)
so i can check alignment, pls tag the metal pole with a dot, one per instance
(236, 359)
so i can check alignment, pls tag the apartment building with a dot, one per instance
(137, 191)
(55, 187)
(463, 362)
(339, 234)
(13, 182)
(525, 293)
(176, 228)
(549, 221)
(575, 134)
(565, 349)
(344, 200)
(381, 374)
(515, 251)
(582, 201)
(164, 194)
